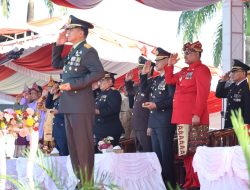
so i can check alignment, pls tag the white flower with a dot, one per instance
(36, 118)
(117, 147)
(8, 117)
(30, 111)
(110, 138)
(9, 111)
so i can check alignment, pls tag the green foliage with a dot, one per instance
(190, 23)
(242, 134)
(50, 7)
(5, 8)
(169, 187)
(217, 46)
(247, 20)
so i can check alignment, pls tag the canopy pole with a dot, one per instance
(232, 37)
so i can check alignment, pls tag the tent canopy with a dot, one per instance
(166, 5)
(118, 53)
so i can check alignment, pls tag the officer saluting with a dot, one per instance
(237, 94)
(108, 107)
(159, 123)
(139, 119)
(81, 68)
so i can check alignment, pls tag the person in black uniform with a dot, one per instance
(159, 123)
(108, 106)
(139, 119)
(81, 68)
(58, 127)
(236, 92)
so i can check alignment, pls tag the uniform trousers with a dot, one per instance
(143, 142)
(162, 143)
(80, 143)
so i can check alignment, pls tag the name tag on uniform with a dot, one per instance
(162, 85)
(237, 97)
(73, 58)
(103, 98)
(189, 75)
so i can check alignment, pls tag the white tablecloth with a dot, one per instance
(221, 168)
(130, 171)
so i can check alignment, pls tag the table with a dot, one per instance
(130, 171)
(221, 168)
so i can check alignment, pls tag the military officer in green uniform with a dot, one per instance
(81, 68)
(237, 92)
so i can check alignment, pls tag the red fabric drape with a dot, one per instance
(80, 4)
(40, 60)
(5, 72)
(63, 3)
(214, 103)
(4, 31)
(174, 5)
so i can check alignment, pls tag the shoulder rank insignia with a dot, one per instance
(87, 46)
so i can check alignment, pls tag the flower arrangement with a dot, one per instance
(18, 121)
(105, 143)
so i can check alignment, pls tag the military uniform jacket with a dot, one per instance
(238, 96)
(81, 68)
(108, 123)
(58, 120)
(162, 95)
(191, 94)
(139, 119)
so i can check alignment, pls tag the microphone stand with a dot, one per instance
(11, 55)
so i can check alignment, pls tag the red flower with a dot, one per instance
(104, 146)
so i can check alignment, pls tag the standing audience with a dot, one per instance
(237, 92)
(190, 111)
(81, 67)
(159, 122)
(107, 110)
(125, 113)
(139, 118)
(58, 127)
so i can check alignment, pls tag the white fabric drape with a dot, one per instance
(86, 4)
(130, 171)
(6, 98)
(31, 73)
(167, 5)
(221, 168)
(15, 83)
(177, 5)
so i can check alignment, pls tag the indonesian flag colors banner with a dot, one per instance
(78, 4)
(177, 5)
(166, 5)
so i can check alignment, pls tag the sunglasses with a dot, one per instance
(189, 52)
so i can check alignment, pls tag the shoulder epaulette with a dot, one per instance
(87, 46)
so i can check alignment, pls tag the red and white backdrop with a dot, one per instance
(167, 5)
(119, 54)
